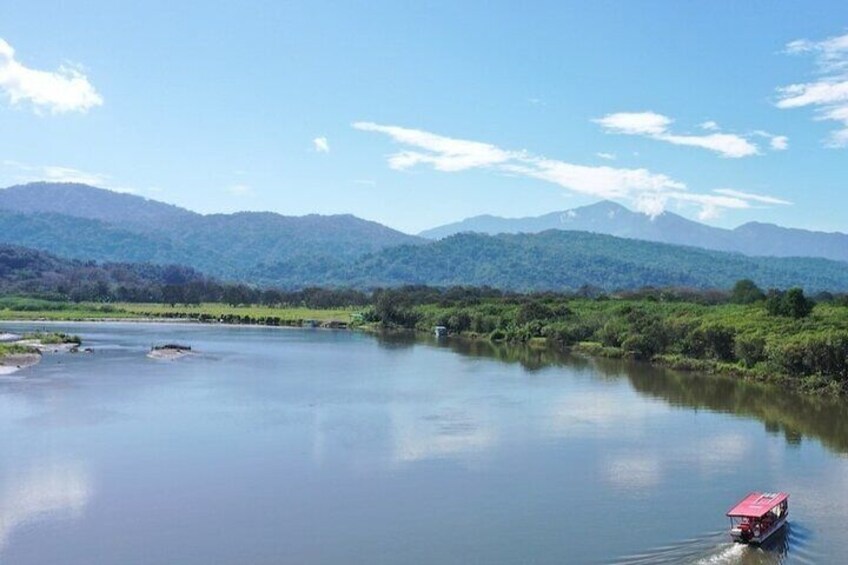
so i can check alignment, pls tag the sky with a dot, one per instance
(419, 114)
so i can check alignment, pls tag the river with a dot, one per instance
(274, 445)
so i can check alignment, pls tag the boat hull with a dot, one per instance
(736, 533)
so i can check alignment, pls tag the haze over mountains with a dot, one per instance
(82, 222)
(752, 238)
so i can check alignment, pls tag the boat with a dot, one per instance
(757, 516)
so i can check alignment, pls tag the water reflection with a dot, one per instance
(793, 415)
(449, 431)
(45, 491)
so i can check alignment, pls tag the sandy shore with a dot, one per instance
(11, 363)
(49, 347)
(169, 353)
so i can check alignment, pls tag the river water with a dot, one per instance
(315, 446)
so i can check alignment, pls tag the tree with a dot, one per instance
(745, 291)
(796, 304)
(791, 303)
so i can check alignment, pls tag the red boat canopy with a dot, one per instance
(757, 504)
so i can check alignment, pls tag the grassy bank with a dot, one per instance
(33, 309)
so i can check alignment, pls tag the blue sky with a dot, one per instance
(415, 116)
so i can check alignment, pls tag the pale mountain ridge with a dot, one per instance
(85, 222)
(610, 218)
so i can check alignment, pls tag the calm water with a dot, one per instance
(310, 446)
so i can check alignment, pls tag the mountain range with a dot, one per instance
(84, 222)
(603, 245)
(610, 218)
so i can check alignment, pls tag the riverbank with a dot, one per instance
(205, 313)
(14, 358)
(807, 352)
(744, 341)
(21, 351)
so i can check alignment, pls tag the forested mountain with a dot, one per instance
(83, 222)
(83, 201)
(76, 221)
(559, 260)
(31, 272)
(756, 239)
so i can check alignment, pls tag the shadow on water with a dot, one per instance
(793, 415)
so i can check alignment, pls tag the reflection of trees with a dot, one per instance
(794, 415)
(781, 411)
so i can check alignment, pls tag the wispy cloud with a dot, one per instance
(60, 91)
(239, 189)
(656, 126)
(709, 125)
(647, 191)
(24, 173)
(829, 94)
(321, 145)
(779, 143)
(606, 156)
(752, 197)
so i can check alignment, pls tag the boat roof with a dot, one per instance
(757, 504)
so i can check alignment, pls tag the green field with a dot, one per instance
(34, 309)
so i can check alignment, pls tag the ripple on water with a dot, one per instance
(792, 545)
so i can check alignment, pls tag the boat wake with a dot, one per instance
(716, 549)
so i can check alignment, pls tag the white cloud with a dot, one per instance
(635, 123)
(709, 125)
(60, 91)
(829, 94)
(239, 189)
(656, 126)
(67, 174)
(752, 197)
(443, 153)
(607, 156)
(321, 145)
(24, 173)
(779, 143)
(647, 191)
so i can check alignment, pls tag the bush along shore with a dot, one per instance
(778, 337)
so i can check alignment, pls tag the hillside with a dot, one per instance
(755, 239)
(84, 222)
(558, 260)
(27, 271)
(83, 201)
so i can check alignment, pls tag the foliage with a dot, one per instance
(746, 291)
(52, 338)
(739, 339)
(791, 303)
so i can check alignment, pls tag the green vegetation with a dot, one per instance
(15, 349)
(14, 308)
(52, 338)
(804, 346)
(779, 336)
(558, 260)
(261, 315)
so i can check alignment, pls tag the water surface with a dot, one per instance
(314, 446)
